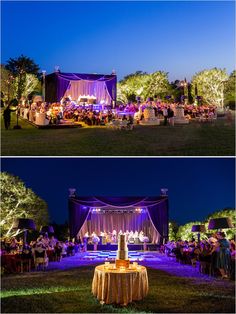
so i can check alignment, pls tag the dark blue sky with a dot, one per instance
(178, 37)
(197, 186)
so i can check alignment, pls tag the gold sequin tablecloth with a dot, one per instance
(119, 286)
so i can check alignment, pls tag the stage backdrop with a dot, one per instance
(58, 85)
(153, 220)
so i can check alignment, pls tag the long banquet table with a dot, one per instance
(119, 286)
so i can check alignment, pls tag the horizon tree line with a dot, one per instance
(21, 79)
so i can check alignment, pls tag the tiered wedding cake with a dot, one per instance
(122, 253)
(179, 116)
(149, 117)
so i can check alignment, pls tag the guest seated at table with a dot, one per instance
(130, 123)
(40, 255)
(58, 251)
(46, 240)
(194, 252)
(52, 242)
(13, 245)
(70, 248)
(64, 249)
(26, 251)
(205, 258)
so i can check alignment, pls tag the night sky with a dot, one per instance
(197, 186)
(181, 38)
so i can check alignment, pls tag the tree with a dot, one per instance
(122, 95)
(173, 229)
(8, 85)
(30, 85)
(157, 85)
(226, 212)
(184, 231)
(19, 67)
(132, 75)
(175, 90)
(132, 85)
(229, 90)
(141, 84)
(22, 64)
(210, 86)
(18, 201)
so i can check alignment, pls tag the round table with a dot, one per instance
(119, 286)
(40, 119)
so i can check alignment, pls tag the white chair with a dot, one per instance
(40, 258)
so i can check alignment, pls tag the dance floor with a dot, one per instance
(154, 260)
(111, 256)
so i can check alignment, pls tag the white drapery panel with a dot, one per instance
(91, 88)
(120, 221)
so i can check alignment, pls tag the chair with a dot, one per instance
(25, 261)
(123, 124)
(40, 258)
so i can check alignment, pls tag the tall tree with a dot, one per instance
(229, 90)
(132, 85)
(8, 85)
(30, 85)
(226, 212)
(19, 67)
(210, 86)
(143, 85)
(157, 84)
(185, 231)
(18, 201)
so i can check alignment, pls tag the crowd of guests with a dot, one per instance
(44, 247)
(215, 256)
(56, 113)
(190, 111)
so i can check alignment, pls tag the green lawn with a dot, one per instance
(184, 140)
(69, 291)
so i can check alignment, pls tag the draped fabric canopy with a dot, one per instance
(116, 220)
(154, 218)
(101, 86)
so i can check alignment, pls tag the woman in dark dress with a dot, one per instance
(223, 258)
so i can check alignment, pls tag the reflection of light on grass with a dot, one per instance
(22, 292)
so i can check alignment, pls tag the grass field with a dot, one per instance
(183, 140)
(69, 291)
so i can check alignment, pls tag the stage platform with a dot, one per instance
(64, 125)
(114, 247)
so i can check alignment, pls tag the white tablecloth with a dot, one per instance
(41, 119)
(121, 287)
(25, 114)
